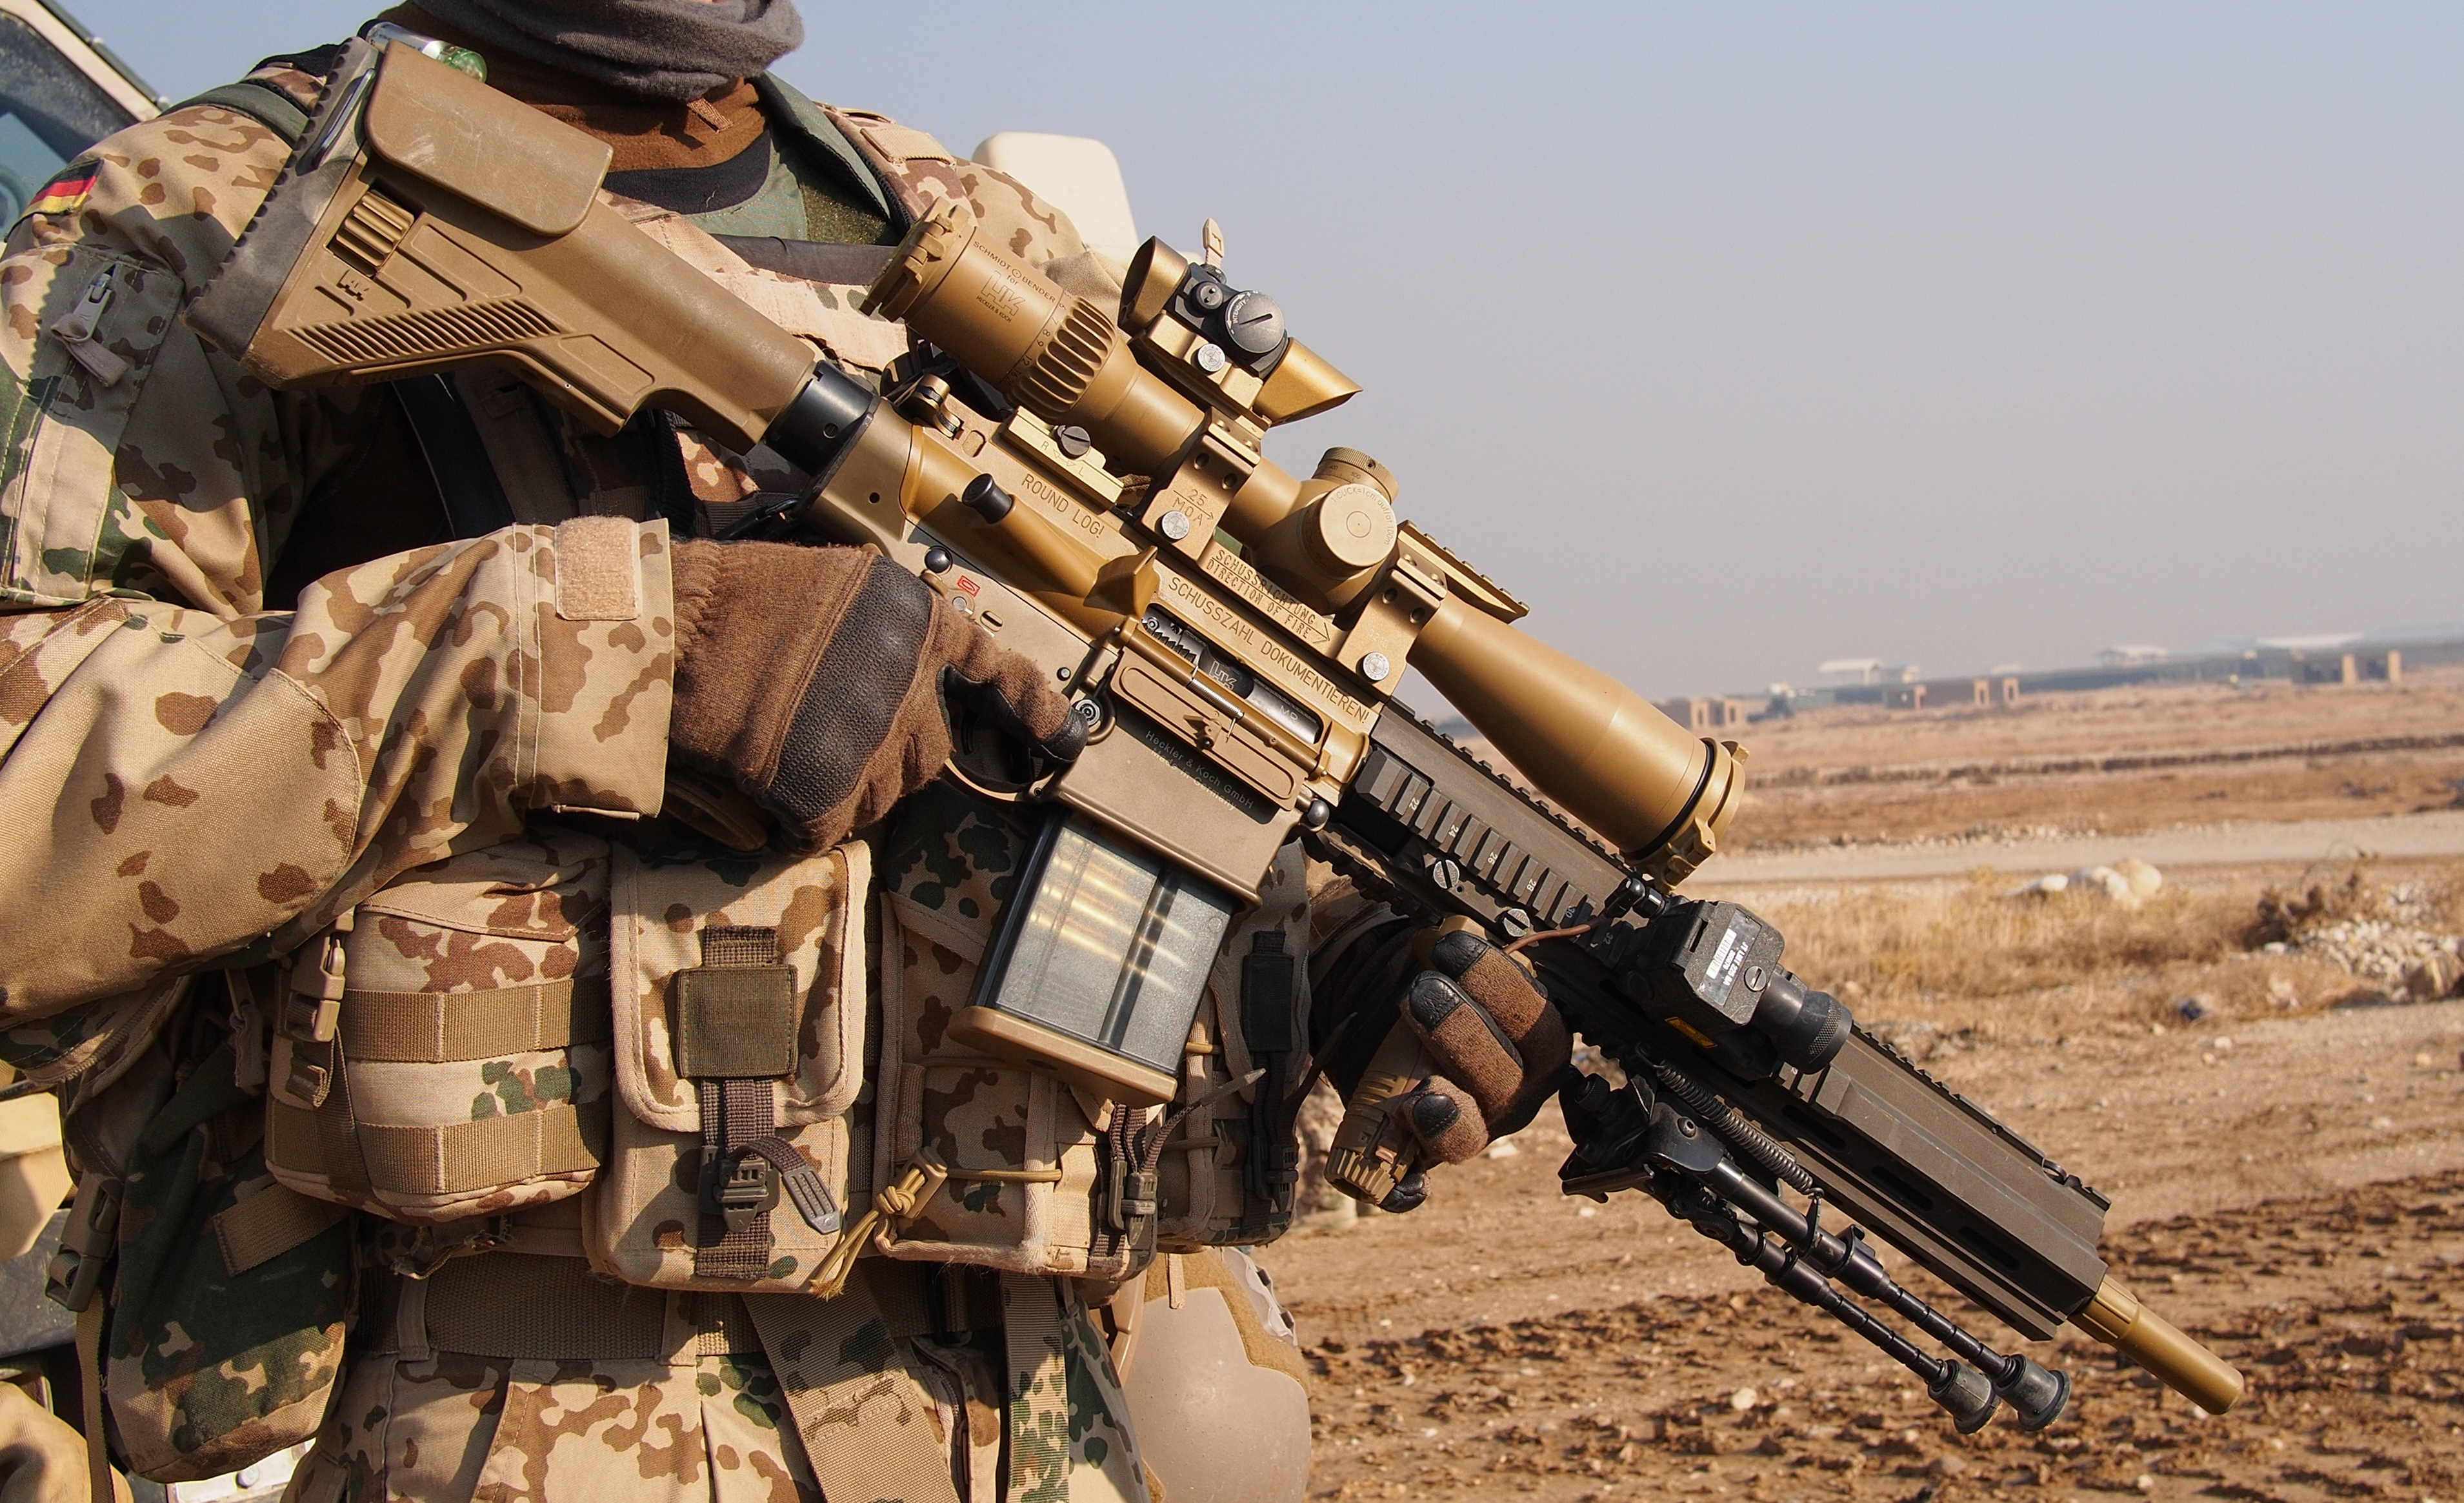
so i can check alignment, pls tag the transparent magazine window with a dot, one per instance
(48, 112)
(1113, 946)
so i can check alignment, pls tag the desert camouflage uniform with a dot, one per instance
(199, 775)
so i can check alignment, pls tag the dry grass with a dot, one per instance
(1975, 940)
(1968, 953)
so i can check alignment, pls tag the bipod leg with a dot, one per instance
(1960, 1390)
(2037, 1396)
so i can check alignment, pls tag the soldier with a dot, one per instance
(388, 764)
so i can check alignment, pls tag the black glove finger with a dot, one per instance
(1407, 1195)
(1548, 1050)
(1020, 695)
(1448, 1123)
(1493, 978)
(992, 744)
(1466, 1043)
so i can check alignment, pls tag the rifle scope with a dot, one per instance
(1585, 739)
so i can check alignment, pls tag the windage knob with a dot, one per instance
(1254, 323)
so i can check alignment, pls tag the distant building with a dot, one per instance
(1851, 670)
(1867, 671)
(1706, 715)
(2132, 656)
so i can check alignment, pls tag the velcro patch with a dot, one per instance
(906, 143)
(735, 1022)
(598, 569)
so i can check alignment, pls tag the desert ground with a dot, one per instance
(2119, 761)
(2261, 1061)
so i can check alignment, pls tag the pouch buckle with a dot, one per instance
(88, 1244)
(746, 1186)
(302, 1074)
(312, 1011)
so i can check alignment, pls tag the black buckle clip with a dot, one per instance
(745, 1187)
(88, 1244)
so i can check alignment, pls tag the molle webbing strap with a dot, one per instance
(1039, 1388)
(870, 1426)
(723, 1327)
(269, 1224)
(514, 1306)
(423, 1028)
(802, 1182)
(339, 1143)
(435, 1027)
(1126, 1224)
(732, 1246)
(495, 1150)
(560, 1139)
(99, 1483)
(735, 1038)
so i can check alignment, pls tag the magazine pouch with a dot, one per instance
(739, 1011)
(443, 1051)
(1028, 1156)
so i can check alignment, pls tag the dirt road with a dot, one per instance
(2440, 833)
(1506, 1336)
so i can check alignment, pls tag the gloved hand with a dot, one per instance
(1466, 1053)
(1499, 1048)
(823, 681)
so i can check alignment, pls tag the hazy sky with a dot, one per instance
(1738, 337)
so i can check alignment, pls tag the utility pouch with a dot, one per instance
(443, 1051)
(1028, 1156)
(739, 1012)
(1229, 1172)
(1045, 1175)
(226, 1304)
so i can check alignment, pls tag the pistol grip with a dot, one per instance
(1374, 1150)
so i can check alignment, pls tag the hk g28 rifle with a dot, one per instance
(1089, 483)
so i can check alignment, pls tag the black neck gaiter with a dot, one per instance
(657, 49)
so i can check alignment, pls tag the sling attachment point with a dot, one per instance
(1269, 981)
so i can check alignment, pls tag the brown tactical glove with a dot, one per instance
(1433, 1071)
(825, 684)
(1498, 1047)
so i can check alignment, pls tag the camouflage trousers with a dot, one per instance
(508, 1376)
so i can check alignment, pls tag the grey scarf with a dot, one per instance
(658, 49)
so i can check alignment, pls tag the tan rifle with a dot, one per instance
(1090, 484)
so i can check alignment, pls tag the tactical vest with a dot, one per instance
(694, 1069)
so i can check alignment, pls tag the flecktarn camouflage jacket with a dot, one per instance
(208, 798)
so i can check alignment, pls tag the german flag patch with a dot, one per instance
(63, 193)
